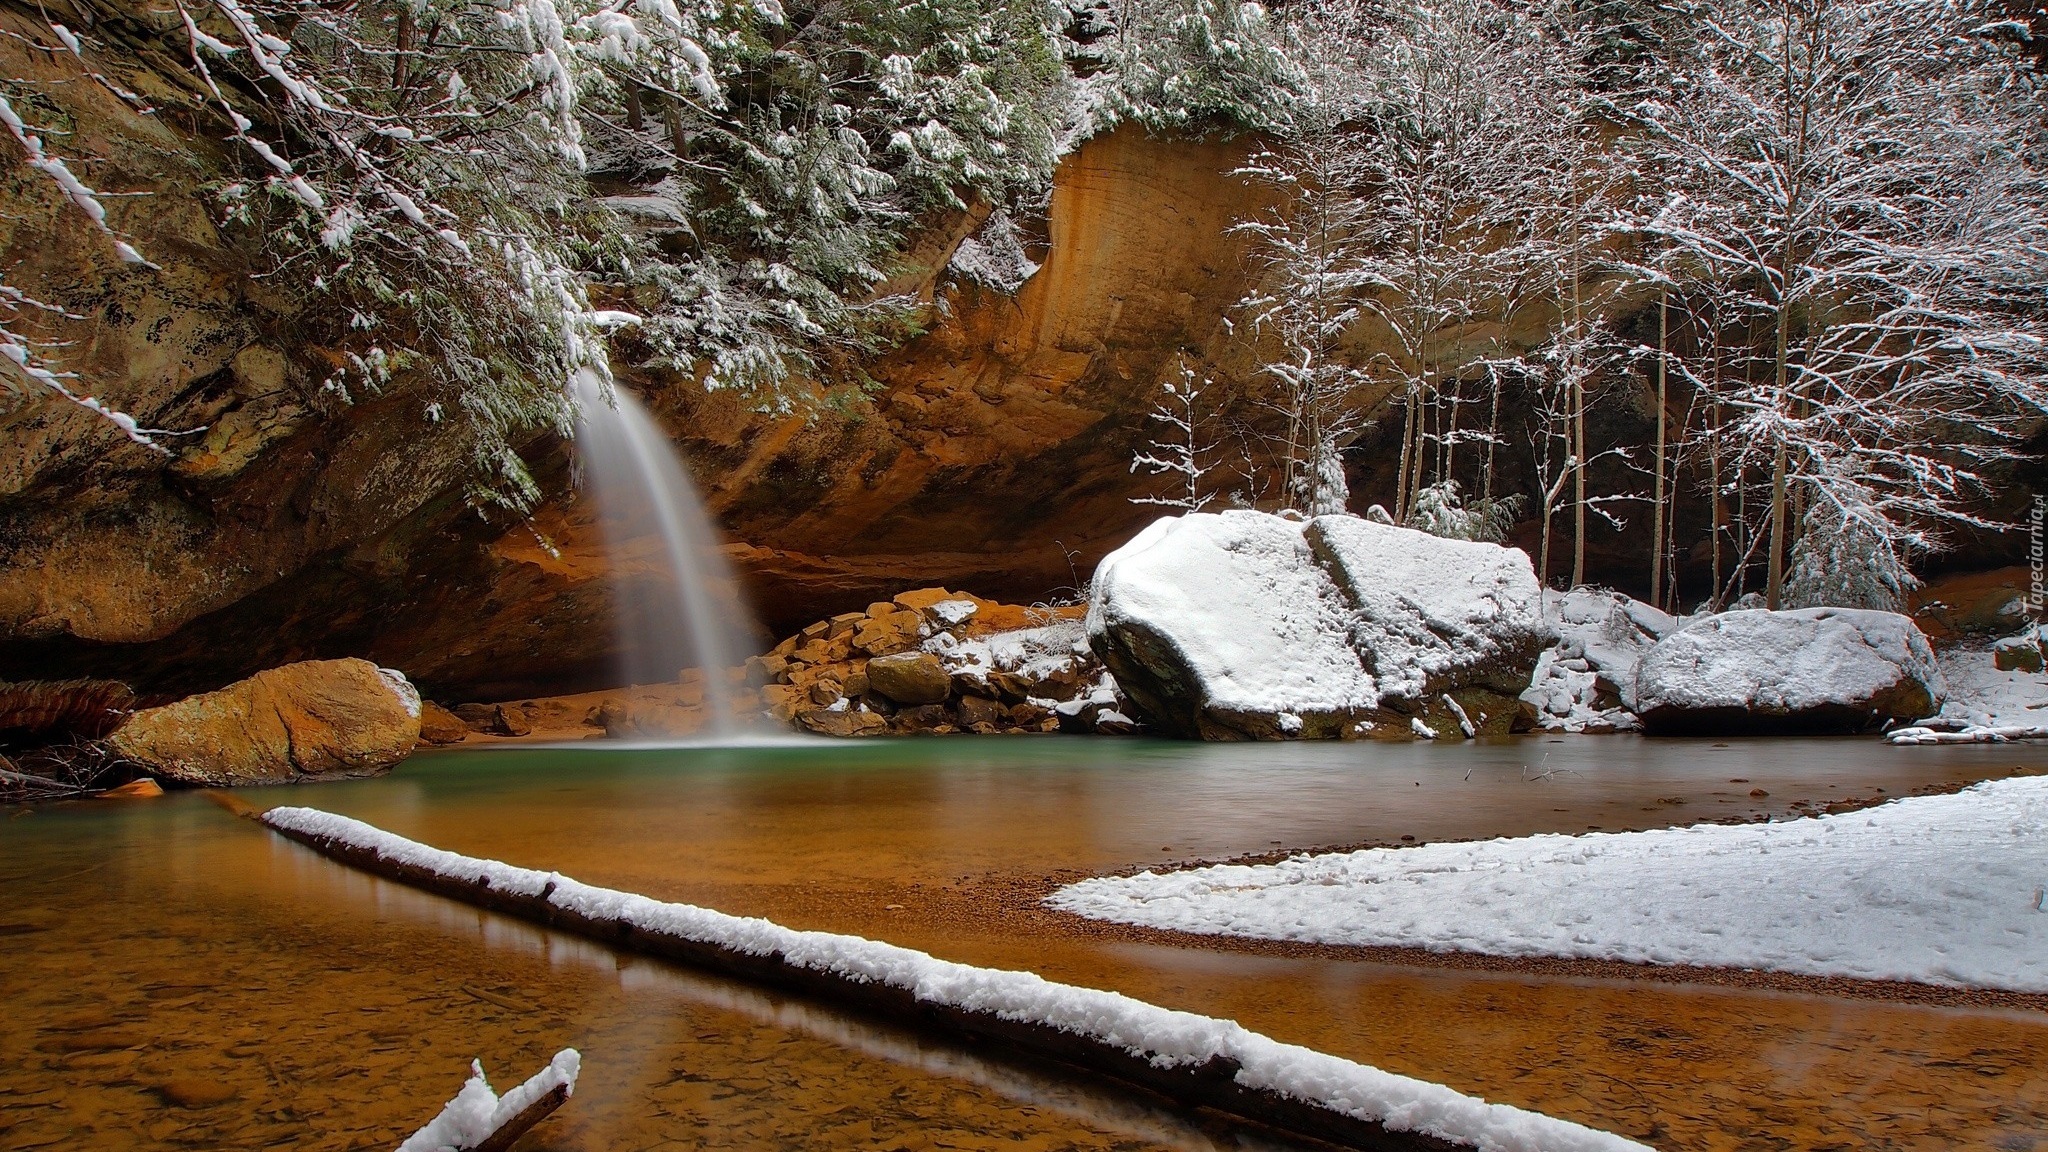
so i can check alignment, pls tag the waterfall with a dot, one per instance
(679, 606)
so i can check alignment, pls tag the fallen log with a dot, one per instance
(480, 1120)
(1198, 1061)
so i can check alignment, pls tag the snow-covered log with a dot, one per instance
(1244, 625)
(1199, 1060)
(480, 1120)
(1808, 671)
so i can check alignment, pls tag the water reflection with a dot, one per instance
(939, 844)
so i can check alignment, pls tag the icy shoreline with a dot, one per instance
(1942, 890)
(1160, 1039)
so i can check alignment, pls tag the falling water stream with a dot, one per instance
(680, 608)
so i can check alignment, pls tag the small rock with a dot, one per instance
(825, 693)
(924, 718)
(187, 1092)
(1758, 793)
(511, 720)
(2020, 653)
(769, 669)
(922, 598)
(1029, 715)
(134, 790)
(910, 678)
(844, 722)
(440, 726)
(889, 634)
(978, 710)
(856, 684)
(1112, 723)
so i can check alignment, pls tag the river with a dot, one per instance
(178, 978)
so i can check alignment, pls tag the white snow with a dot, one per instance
(1601, 638)
(476, 1111)
(1985, 705)
(994, 256)
(1427, 606)
(402, 688)
(1260, 626)
(1165, 1037)
(1936, 889)
(1785, 661)
(1034, 654)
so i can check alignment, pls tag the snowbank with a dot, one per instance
(1938, 890)
(1161, 1037)
(1241, 624)
(1811, 670)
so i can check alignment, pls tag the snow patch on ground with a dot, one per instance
(1985, 705)
(1935, 889)
(1165, 1037)
(1034, 653)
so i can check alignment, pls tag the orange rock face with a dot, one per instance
(995, 455)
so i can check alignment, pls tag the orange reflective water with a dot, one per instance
(328, 1004)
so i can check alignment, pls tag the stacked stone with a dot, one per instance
(866, 673)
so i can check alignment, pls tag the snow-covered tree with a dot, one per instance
(1861, 194)
(1184, 448)
(1440, 510)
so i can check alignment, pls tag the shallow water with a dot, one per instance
(162, 954)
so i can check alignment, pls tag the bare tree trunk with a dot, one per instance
(1718, 516)
(1774, 587)
(1657, 499)
(1578, 409)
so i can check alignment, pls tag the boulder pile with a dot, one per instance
(935, 661)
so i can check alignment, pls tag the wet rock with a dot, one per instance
(1112, 723)
(1028, 715)
(974, 710)
(134, 790)
(307, 721)
(1809, 671)
(510, 720)
(841, 722)
(440, 726)
(191, 1092)
(923, 718)
(910, 678)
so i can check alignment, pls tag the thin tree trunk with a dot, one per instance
(1657, 500)
(1774, 587)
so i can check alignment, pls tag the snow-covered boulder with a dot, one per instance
(1813, 670)
(1586, 682)
(1242, 625)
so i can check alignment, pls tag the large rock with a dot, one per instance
(1249, 626)
(308, 721)
(1815, 670)
(910, 678)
